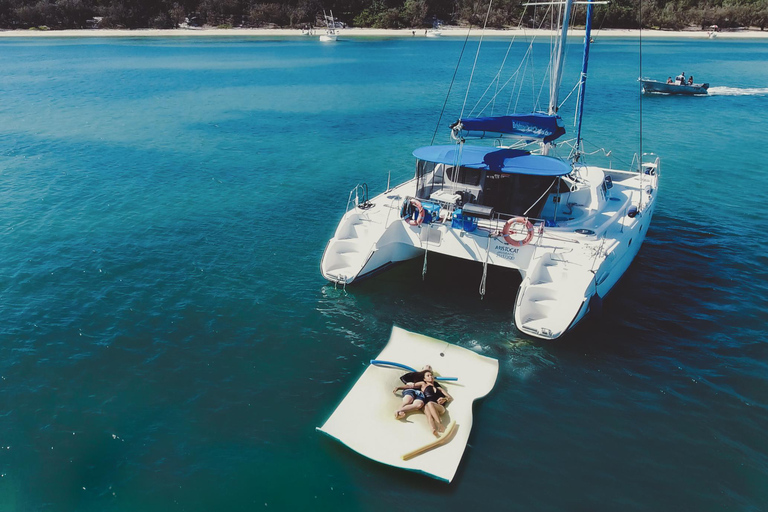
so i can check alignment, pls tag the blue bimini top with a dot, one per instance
(508, 161)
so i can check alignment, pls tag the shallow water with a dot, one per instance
(168, 341)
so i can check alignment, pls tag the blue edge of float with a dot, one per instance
(379, 362)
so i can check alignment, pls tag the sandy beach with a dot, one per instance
(371, 32)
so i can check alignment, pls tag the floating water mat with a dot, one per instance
(365, 421)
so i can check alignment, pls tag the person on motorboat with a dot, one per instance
(690, 80)
(680, 79)
(669, 80)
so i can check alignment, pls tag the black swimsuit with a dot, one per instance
(432, 393)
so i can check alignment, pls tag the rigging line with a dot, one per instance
(537, 100)
(566, 98)
(498, 89)
(546, 192)
(448, 95)
(524, 63)
(477, 54)
(527, 58)
(497, 78)
(485, 267)
(605, 15)
(641, 95)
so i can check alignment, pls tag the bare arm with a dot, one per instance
(409, 385)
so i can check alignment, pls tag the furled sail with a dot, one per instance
(533, 127)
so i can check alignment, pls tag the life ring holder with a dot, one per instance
(509, 226)
(416, 204)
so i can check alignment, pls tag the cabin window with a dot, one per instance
(464, 175)
(518, 194)
(423, 168)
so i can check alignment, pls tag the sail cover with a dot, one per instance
(541, 127)
(508, 161)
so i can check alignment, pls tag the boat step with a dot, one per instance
(343, 273)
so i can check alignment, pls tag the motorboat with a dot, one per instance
(657, 87)
(500, 195)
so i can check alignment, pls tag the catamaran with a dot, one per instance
(569, 227)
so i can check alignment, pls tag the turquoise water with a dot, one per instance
(168, 342)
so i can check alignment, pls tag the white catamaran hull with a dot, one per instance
(564, 265)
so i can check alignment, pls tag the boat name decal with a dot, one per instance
(530, 129)
(506, 252)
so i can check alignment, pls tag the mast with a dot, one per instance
(557, 65)
(583, 80)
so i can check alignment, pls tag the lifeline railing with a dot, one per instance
(361, 189)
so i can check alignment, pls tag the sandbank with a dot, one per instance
(447, 32)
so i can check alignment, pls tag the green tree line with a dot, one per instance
(659, 14)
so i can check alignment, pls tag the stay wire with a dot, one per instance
(477, 54)
(641, 95)
(448, 95)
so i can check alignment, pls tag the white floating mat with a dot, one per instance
(365, 419)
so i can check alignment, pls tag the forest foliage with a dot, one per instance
(659, 14)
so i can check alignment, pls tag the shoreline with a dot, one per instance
(447, 32)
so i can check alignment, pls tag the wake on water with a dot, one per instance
(735, 91)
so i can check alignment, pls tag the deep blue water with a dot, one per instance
(167, 341)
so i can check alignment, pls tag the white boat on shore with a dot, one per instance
(436, 30)
(331, 34)
(569, 227)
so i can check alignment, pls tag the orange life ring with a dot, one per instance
(512, 227)
(416, 204)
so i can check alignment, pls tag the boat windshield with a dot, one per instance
(508, 194)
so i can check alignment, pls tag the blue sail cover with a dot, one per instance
(509, 161)
(543, 127)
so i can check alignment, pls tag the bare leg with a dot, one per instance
(439, 410)
(432, 418)
(417, 404)
(433, 410)
(407, 400)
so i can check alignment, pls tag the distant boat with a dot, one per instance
(436, 30)
(654, 86)
(331, 35)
